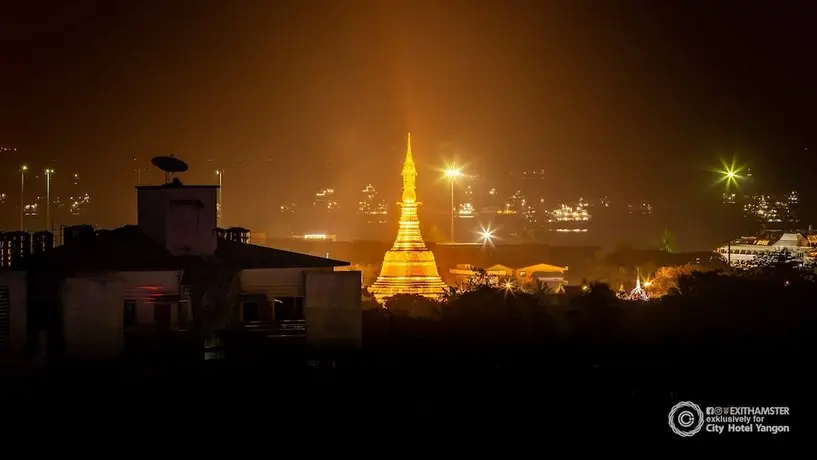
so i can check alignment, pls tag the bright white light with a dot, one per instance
(453, 172)
(486, 235)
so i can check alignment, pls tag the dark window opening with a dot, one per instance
(289, 308)
(129, 317)
(265, 312)
(162, 315)
(250, 312)
(5, 314)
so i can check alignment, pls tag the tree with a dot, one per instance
(667, 242)
(666, 278)
(781, 266)
(413, 306)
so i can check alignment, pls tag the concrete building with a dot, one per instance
(172, 275)
(743, 251)
(548, 275)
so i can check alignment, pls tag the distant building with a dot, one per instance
(570, 218)
(773, 211)
(742, 252)
(372, 215)
(551, 276)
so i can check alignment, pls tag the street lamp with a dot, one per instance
(23, 170)
(486, 235)
(452, 173)
(48, 173)
(730, 174)
(220, 174)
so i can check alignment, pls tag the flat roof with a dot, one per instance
(172, 186)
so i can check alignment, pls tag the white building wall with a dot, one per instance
(745, 254)
(15, 281)
(182, 229)
(333, 308)
(144, 286)
(92, 315)
(277, 282)
(93, 307)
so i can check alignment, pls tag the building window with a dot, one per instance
(289, 308)
(162, 315)
(265, 311)
(250, 312)
(5, 315)
(129, 317)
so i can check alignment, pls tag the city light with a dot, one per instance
(23, 170)
(486, 235)
(219, 207)
(48, 173)
(453, 172)
(729, 174)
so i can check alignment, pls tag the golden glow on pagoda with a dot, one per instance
(408, 267)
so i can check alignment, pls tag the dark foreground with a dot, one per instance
(529, 396)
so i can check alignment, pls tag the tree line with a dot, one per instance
(765, 309)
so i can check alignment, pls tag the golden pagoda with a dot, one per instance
(408, 267)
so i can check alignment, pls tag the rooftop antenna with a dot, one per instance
(170, 165)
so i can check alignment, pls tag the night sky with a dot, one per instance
(623, 98)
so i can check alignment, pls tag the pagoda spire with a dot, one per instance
(409, 174)
(408, 267)
(408, 149)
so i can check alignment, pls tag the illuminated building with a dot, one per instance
(644, 209)
(325, 199)
(543, 275)
(315, 237)
(570, 218)
(78, 203)
(466, 208)
(288, 208)
(773, 212)
(408, 267)
(372, 206)
(742, 252)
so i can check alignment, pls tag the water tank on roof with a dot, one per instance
(73, 232)
(238, 235)
(42, 241)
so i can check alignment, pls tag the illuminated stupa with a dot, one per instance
(408, 267)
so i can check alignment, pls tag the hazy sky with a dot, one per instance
(616, 97)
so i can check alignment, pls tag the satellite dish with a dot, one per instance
(170, 165)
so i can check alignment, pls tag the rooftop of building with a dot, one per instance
(176, 183)
(128, 249)
(778, 239)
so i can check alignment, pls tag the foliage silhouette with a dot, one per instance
(707, 313)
